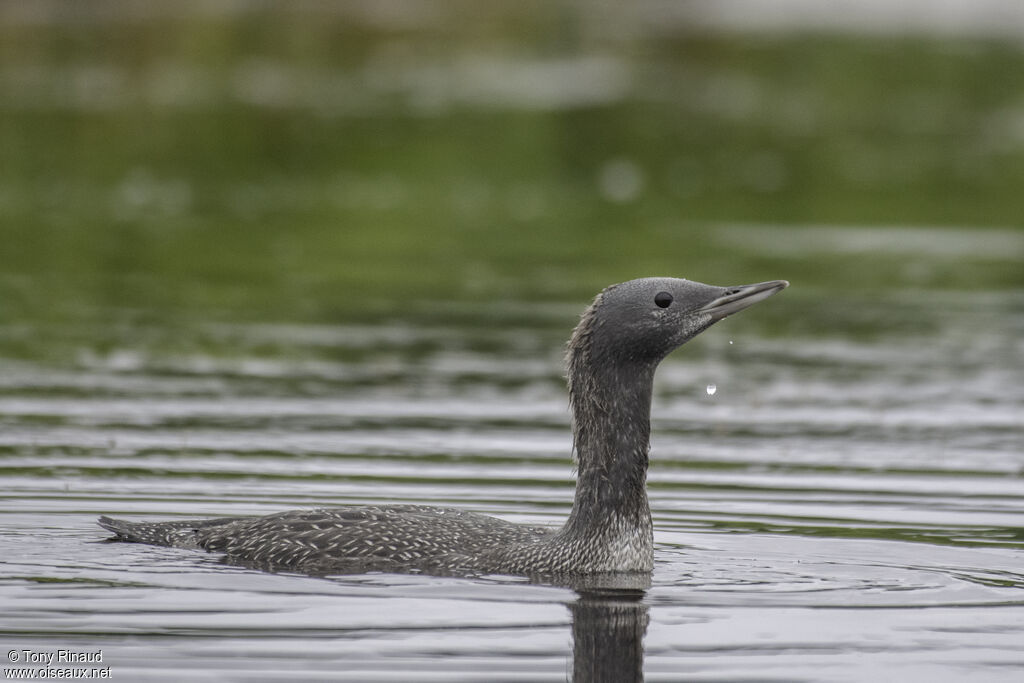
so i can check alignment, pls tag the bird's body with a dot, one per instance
(611, 360)
(388, 538)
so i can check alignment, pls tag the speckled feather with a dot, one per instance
(394, 537)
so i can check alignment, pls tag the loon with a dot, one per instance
(611, 358)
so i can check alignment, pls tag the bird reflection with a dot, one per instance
(609, 621)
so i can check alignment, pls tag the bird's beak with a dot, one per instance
(738, 298)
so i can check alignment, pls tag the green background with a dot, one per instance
(334, 162)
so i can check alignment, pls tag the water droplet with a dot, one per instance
(712, 389)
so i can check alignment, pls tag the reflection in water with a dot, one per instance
(609, 617)
(609, 621)
(608, 636)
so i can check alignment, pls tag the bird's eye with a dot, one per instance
(663, 299)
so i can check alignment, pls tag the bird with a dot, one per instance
(610, 361)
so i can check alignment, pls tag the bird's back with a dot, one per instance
(347, 539)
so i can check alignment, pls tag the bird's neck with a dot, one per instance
(611, 407)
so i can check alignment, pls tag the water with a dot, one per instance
(844, 507)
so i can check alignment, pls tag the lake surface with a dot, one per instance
(843, 506)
